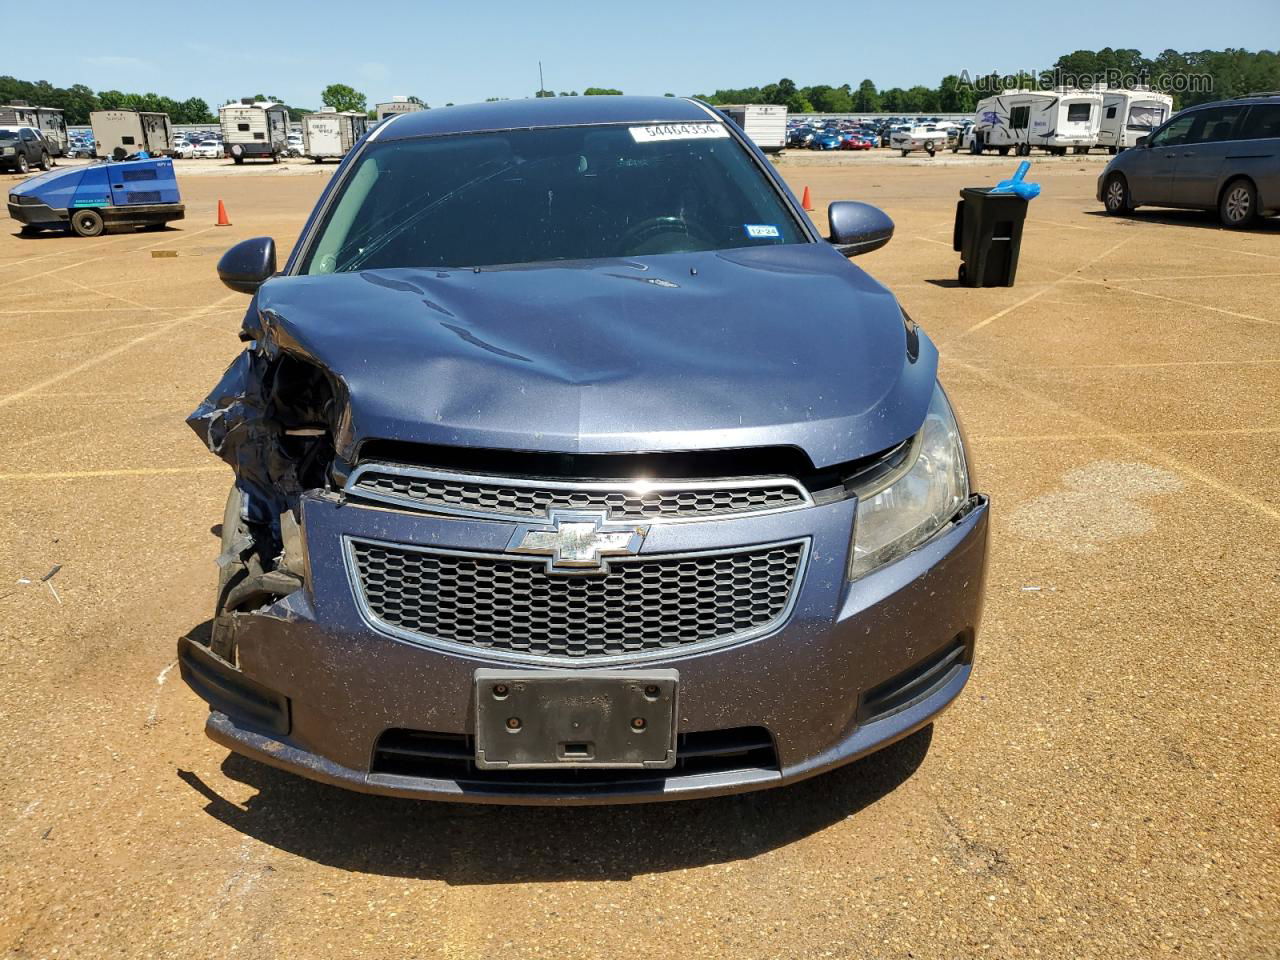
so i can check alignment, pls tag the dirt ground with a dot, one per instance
(1107, 786)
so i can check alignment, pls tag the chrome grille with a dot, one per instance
(514, 607)
(621, 500)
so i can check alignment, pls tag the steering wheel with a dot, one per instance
(644, 233)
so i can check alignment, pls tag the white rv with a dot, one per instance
(131, 131)
(328, 134)
(48, 120)
(765, 124)
(1055, 120)
(396, 106)
(254, 130)
(1130, 114)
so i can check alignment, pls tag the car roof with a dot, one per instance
(1236, 101)
(542, 112)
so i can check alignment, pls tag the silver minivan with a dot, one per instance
(1221, 156)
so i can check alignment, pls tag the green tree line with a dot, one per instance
(78, 101)
(1227, 73)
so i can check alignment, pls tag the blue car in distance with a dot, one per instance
(558, 479)
(826, 141)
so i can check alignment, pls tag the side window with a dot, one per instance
(1176, 132)
(1214, 125)
(1111, 113)
(127, 140)
(1018, 118)
(28, 135)
(1263, 122)
(242, 126)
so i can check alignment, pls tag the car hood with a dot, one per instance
(788, 345)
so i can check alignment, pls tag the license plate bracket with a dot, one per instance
(545, 719)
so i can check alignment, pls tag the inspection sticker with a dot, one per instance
(759, 230)
(678, 131)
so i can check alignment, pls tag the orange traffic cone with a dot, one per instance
(806, 203)
(224, 222)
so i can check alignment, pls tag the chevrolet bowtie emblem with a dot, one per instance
(577, 542)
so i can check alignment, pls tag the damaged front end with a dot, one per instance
(271, 418)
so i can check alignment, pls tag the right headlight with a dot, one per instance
(902, 508)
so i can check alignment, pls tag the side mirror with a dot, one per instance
(245, 266)
(1142, 141)
(858, 228)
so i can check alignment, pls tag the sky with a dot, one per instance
(462, 52)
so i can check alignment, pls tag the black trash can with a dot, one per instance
(988, 235)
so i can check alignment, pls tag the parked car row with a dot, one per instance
(207, 148)
(921, 133)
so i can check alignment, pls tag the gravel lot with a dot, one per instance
(1107, 786)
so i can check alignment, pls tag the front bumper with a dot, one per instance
(316, 686)
(37, 214)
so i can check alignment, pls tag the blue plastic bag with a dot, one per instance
(1026, 191)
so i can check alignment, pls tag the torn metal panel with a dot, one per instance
(232, 421)
(269, 418)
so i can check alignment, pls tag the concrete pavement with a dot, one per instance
(1107, 786)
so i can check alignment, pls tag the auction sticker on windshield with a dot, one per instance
(678, 131)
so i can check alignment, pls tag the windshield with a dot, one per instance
(563, 193)
(8, 134)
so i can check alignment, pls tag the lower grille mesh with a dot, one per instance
(450, 756)
(514, 605)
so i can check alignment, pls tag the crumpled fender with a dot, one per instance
(263, 418)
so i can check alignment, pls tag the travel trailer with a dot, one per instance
(929, 137)
(48, 120)
(1056, 121)
(764, 123)
(396, 106)
(1130, 114)
(328, 134)
(131, 131)
(254, 130)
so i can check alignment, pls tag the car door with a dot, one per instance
(31, 145)
(1149, 169)
(1256, 153)
(1202, 155)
